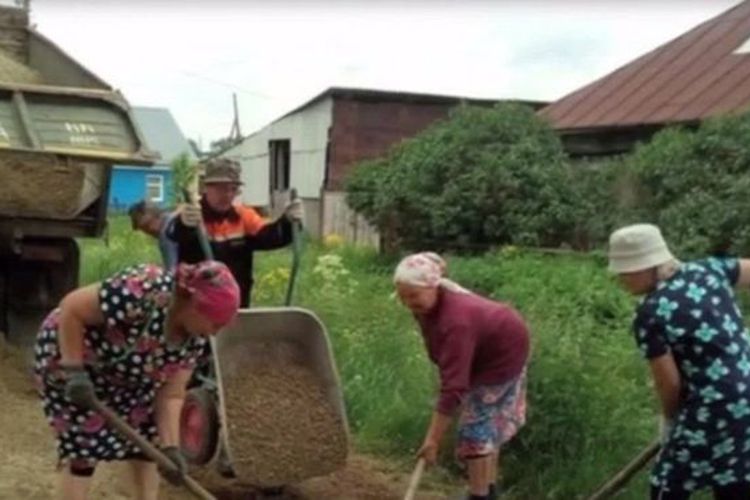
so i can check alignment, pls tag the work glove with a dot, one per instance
(191, 215)
(294, 212)
(175, 477)
(79, 388)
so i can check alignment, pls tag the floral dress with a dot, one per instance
(128, 359)
(694, 316)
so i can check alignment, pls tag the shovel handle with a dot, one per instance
(296, 254)
(416, 476)
(149, 449)
(622, 477)
(190, 197)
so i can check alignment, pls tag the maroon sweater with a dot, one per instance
(473, 341)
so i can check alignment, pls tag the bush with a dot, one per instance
(694, 185)
(602, 191)
(483, 176)
(184, 171)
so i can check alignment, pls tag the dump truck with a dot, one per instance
(62, 129)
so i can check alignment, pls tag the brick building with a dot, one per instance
(313, 147)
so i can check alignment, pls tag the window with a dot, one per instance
(155, 188)
(279, 164)
(744, 48)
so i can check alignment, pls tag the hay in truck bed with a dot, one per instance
(57, 145)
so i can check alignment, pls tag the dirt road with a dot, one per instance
(27, 464)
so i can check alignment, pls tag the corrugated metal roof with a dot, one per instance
(161, 133)
(400, 96)
(694, 76)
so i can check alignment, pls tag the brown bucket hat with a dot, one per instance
(222, 170)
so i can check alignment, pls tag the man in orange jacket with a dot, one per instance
(235, 231)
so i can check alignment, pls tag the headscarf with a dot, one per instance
(213, 290)
(425, 269)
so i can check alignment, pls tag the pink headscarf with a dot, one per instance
(214, 291)
(426, 269)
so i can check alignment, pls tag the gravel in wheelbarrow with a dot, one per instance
(282, 427)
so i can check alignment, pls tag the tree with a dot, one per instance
(482, 176)
(184, 171)
(694, 184)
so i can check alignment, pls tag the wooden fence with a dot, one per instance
(337, 218)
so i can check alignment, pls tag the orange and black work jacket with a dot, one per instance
(234, 236)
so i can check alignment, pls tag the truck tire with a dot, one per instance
(33, 286)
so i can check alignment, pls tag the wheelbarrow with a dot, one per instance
(237, 351)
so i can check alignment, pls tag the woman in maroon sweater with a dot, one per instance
(481, 348)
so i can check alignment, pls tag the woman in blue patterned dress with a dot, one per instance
(690, 329)
(130, 341)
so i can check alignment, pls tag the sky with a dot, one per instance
(191, 55)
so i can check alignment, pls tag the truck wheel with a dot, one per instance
(32, 284)
(199, 426)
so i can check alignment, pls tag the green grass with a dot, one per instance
(590, 407)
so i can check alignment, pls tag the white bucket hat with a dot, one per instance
(636, 248)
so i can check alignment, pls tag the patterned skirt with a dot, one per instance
(491, 416)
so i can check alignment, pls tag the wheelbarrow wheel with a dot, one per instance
(199, 426)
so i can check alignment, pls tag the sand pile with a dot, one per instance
(282, 428)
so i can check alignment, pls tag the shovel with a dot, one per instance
(416, 476)
(149, 449)
(296, 254)
(619, 480)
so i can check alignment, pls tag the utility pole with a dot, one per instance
(235, 135)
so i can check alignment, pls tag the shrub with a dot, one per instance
(694, 184)
(482, 176)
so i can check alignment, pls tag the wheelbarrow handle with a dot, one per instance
(624, 475)
(416, 476)
(150, 450)
(296, 254)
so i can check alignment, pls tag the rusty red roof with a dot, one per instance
(696, 75)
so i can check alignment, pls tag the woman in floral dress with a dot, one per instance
(690, 329)
(481, 348)
(130, 341)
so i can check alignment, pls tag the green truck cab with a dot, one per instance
(61, 131)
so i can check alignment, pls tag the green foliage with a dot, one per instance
(600, 189)
(589, 403)
(122, 247)
(484, 175)
(694, 184)
(183, 173)
(590, 407)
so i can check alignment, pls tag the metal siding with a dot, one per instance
(726, 95)
(666, 81)
(673, 81)
(692, 92)
(162, 133)
(129, 186)
(307, 131)
(690, 78)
